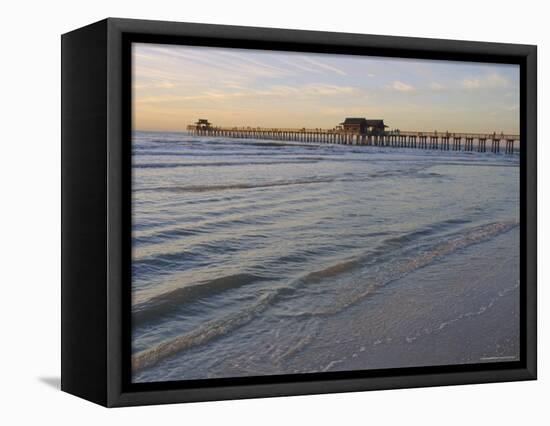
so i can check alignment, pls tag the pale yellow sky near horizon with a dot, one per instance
(173, 86)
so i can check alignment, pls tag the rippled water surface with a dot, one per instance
(247, 254)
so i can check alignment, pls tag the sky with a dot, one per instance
(173, 86)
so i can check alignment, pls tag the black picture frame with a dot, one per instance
(96, 115)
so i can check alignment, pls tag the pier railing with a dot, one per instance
(454, 141)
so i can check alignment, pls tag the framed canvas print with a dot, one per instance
(252, 212)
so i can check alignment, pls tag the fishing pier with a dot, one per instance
(360, 131)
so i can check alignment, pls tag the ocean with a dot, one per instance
(253, 257)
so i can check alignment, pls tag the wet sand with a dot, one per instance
(430, 317)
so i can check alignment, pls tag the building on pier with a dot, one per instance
(203, 124)
(363, 126)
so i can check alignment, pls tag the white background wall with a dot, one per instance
(30, 211)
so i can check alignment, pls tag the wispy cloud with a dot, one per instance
(490, 81)
(399, 86)
(298, 65)
(243, 58)
(313, 89)
(325, 66)
(155, 85)
(306, 91)
(209, 61)
(437, 86)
